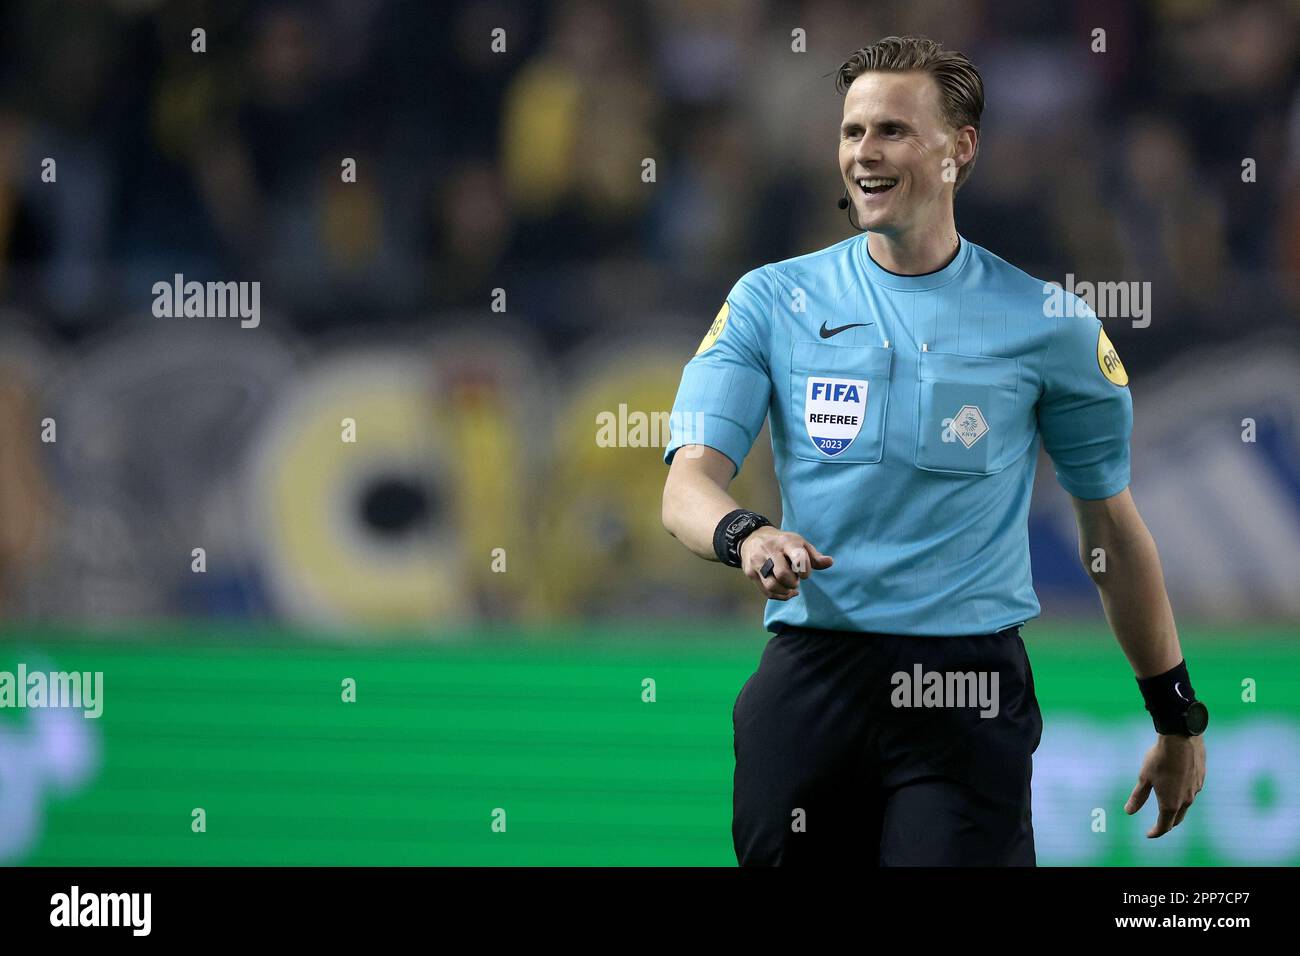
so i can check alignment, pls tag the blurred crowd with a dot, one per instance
(613, 168)
(502, 145)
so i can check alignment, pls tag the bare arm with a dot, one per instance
(696, 499)
(1120, 556)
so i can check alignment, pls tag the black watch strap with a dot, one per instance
(1172, 703)
(732, 530)
(1190, 723)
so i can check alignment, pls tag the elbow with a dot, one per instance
(1114, 544)
(668, 509)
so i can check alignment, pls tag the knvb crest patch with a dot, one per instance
(833, 412)
(969, 425)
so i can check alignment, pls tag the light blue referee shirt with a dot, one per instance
(906, 413)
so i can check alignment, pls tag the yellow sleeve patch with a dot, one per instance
(1108, 361)
(719, 323)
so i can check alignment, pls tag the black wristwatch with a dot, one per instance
(1171, 702)
(731, 532)
(1190, 723)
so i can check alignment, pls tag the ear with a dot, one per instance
(967, 140)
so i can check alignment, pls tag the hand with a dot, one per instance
(1175, 768)
(793, 559)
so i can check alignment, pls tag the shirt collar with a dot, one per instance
(929, 280)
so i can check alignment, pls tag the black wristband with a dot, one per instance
(1167, 695)
(731, 531)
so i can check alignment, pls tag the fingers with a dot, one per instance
(1171, 814)
(800, 563)
(1176, 773)
(1170, 817)
(1164, 823)
(777, 563)
(782, 572)
(819, 561)
(1138, 797)
(781, 583)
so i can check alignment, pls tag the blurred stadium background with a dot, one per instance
(494, 578)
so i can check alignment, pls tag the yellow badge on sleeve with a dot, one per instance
(1108, 361)
(719, 323)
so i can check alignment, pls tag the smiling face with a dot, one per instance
(893, 140)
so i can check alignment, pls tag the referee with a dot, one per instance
(909, 376)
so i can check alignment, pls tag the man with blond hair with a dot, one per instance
(909, 377)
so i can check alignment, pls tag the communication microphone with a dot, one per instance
(843, 203)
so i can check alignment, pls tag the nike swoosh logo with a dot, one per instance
(827, 333)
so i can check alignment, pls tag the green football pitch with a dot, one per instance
(588, 745)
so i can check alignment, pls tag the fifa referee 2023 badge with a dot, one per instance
(909, 377)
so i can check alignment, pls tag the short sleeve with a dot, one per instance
(1085, 411)
(725, 389)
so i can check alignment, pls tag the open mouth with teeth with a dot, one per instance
(875, 185)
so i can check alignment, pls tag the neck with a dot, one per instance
(915, 253)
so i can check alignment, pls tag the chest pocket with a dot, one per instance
(839, 395)
(968, 421)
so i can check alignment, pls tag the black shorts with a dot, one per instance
(830, 767)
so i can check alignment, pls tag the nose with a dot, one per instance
(868, 151)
